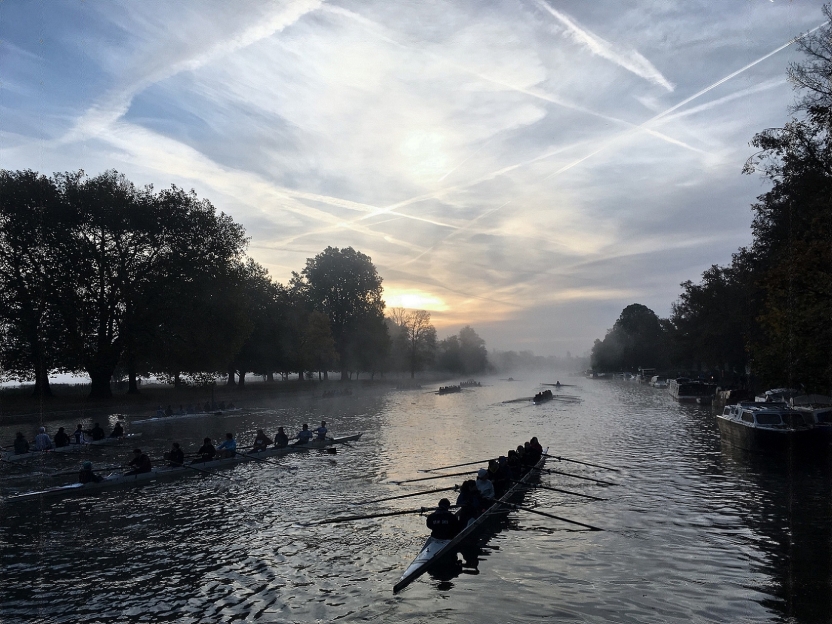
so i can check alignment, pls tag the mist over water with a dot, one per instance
(694, 531)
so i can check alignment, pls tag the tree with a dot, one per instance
(637, 339)
(416, 336)
(344, 285)
(126, 247)
(464, 353)
(31, 219)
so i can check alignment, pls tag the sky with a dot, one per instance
(528, 167)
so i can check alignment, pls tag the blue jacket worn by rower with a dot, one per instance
(229, 446)
(443, 524)
(42, 440)
(304, 435)
(321, 431)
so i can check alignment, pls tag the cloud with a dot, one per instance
(631, 60)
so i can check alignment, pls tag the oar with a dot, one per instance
(543, 513)
(520, 400)
(377, 515)
(389, 498)
(69, 473)
(574, 476)
(575, 461)
(479, 461)
(554, 489)
(208, 472)
(442, 476)
(264, 460)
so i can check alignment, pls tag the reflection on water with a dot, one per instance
(695, 531)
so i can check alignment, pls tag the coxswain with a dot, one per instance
(140, 462)
(42, 440)
(280, 438)
(484, 484)
(79, 434)
(261, 442)
(21, 446)
(96, 433)
(322, 431)
(86, 474)
(228, 447)
(469, 502)
(443, 524)
(118, 430)
(175, 456)
(61, 438)
(206, 452)
(304, 435)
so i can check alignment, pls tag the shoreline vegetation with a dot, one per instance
(763, 320)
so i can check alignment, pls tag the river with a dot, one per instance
(693, 530)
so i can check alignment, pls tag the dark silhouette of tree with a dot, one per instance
(637, 339)
(415, 338)
(31, 219)
(464, 353)
(344, 285)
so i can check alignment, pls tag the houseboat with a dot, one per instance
(771, 428)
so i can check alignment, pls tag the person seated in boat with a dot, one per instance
(228, 447)
(206, 407)
(515, 467)
(181, 410)
(168, 411)
(304, 435)
(280, 438)
(21, 446)
(118, 430)
(190, 408)
(86, 474)
(484, 484)
(261, 442)
(42, 440)
(96, 433)
(536, 448)
(206, 452)
(160, 413)
(557, 383)
(469, 502)
(221, 405)
(62, 438)
(322, 431)
(443, 523)
(78, 434)
(140, 462)
(175, 456)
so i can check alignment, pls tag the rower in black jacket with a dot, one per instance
(443, 524)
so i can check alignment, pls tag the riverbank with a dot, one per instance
(18, 406)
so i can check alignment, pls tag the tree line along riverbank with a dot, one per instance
(764, 318)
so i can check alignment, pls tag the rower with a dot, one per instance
(61, 438)
(304, 435)
(160, 413)
(443, 524)
(86, 474)
(228, 447)
(175, 456)
(469, 502)
(261, 441)
(206, 407)
(79, 434)
(206, 452)
(118, 430)
(42, 440)
(484, 484)
(280, 438)
(322, 431)
(536, 448)
(96, 433)
(168, 411)
(140, 462)
(21, 446)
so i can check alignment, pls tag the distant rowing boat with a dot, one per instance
(156, 419)
(435, 549)
(172, 472)
(69, 448)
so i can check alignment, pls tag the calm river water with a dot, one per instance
(694, 531)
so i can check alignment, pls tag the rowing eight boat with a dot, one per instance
(156, 419)
(116, 480)
(435, 549)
